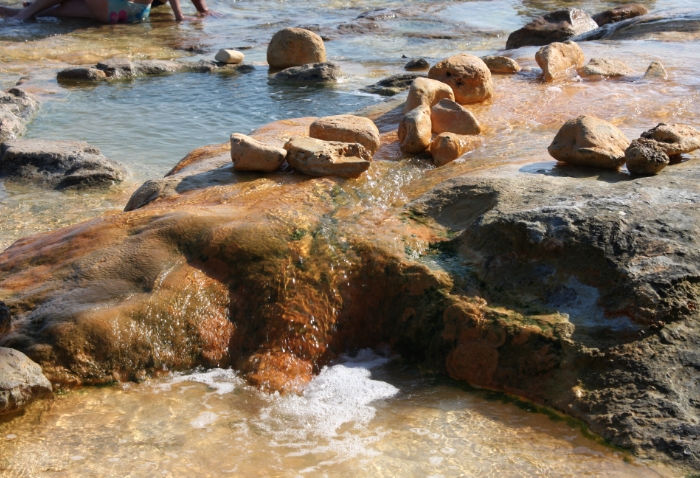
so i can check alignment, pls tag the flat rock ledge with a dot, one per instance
(58, 164)
(17, 109)
(21, 381)
(122, 68)
(313, 73)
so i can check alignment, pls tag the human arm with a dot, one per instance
(201, 6)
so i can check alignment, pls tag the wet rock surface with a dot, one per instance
(680, 23)
(5, 318)
(617, 14)
(415, 130)
(347, 129)
(448, 116)
(58, 164)
(501, 64)
(674, 139)
(557, 26)
(446, 147)
(589, 141)
(17, 108)
(392, 85)
(315, 157)
(605, 67)
(21, 381)
(123, 68)
(427, 92)
(417, 64)
(467, 75)
(556, 58)
(644, 157)
(315, 73)
(656, 70)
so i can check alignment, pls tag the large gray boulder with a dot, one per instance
(58, 164)
(17, 108)
(557, 26)
(21, 381)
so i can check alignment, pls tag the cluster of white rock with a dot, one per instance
(590, 141)
(340, 145)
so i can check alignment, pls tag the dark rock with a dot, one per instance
(360, 27)
(393, 85)
(5, 318)
(557, 26)
(417, 64)
(648, 26)
(121, 68)
(21, 381)
(644, 157)
(17, 108)
(312, 73)
(558, 237)
(617, 14)
(58, 164)
(80, 75)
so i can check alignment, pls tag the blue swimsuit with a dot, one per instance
(121, 11)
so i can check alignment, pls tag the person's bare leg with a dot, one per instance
(38, 6)
(99, 9)
(69, 8)
(9, 11)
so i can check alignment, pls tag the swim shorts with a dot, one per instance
(121, 11)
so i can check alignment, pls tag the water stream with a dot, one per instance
(367, 416)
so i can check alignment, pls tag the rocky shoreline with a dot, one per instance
(570, 286)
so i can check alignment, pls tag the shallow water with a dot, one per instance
(365, 416)
(346, 424)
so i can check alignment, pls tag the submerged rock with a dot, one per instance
(644, 157)
(450, 117)
(674, 139)
(123, 68)
(679, 22)
(446, 147)
(249, 154)
(21, 381)
(5, 318)
(58, 164)
(427, 92)
(17, 108)
(617, 14)
(605, 67)
(415, 130)
(229, 56)
(316, 73)
(295, 47)
(467, 75)
(315, 157)
(501, 64)
(417, 64)
(556, 58)
(589, 141)
(656, 70)
(393, 85)
(557, 26)
(347, 129)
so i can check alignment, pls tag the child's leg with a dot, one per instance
(69, 8)
(39, 6)
(8, 11)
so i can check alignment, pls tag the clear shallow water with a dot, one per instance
(365, 416)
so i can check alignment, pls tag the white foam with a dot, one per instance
(204, 419)
(223, 381)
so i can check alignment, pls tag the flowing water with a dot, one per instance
(363, 417)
